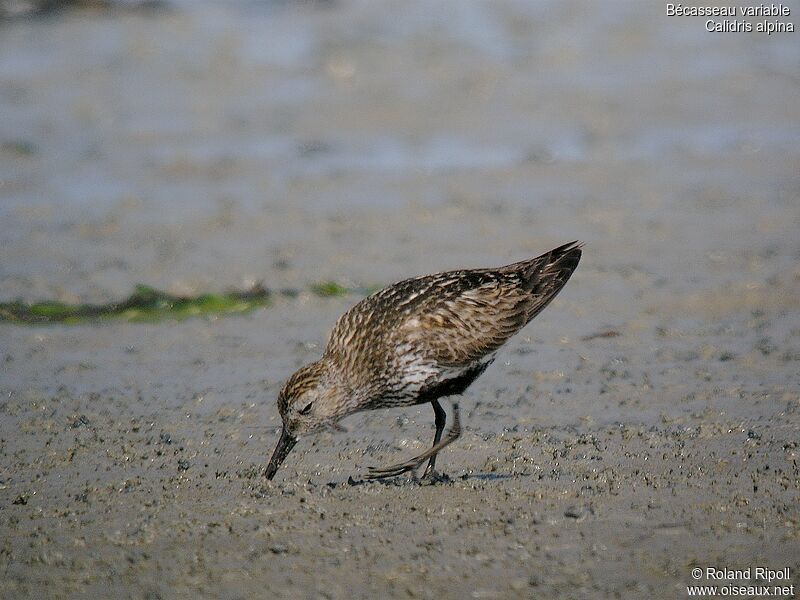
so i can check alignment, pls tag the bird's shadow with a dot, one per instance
(437, 479)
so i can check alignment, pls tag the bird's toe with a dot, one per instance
(391, 471)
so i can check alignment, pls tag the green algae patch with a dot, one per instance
(147, 304)
(144, 304)
(332, 289)
(329, 289)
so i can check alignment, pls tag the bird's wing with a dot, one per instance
(466, 324)
(544, 276)
(469, 314)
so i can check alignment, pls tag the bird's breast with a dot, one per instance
(415, 380)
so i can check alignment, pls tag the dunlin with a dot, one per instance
(415, 342)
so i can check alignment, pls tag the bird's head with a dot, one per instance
(309, 401)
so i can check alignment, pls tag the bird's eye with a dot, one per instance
(306, 409)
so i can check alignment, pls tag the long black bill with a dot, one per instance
(285, 445)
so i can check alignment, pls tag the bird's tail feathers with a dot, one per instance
(545, 275)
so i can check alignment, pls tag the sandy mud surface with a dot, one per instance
(647, 423)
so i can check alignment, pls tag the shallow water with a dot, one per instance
(214, 145)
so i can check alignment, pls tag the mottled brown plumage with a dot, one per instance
(417, 341)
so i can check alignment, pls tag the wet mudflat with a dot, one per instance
(645, 424)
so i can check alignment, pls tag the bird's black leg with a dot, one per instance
(440, 416)
(410, 465)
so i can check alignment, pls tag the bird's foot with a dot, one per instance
(434, 476)
(394, 470)
(414, 463)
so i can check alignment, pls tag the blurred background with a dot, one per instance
(193, 144)
(200, 145)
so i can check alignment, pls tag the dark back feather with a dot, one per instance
(454, 318)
